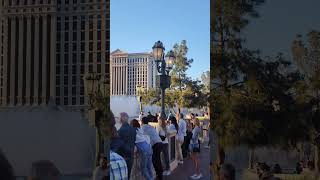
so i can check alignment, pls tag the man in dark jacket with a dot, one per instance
(128, 134)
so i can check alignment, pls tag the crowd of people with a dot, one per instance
(149, 143)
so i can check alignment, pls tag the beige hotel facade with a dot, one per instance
(129, 70)
(47, 46)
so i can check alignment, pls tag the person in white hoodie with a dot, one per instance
(162, 130)
(144, 150)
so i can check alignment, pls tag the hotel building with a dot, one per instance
(129, 70)
(47, 46)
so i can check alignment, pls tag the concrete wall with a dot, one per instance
(61, 137)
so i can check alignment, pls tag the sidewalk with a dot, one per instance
(183, 172)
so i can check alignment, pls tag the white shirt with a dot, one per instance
(161, 132)
(183, 127)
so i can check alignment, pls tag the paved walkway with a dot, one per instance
(183, 172)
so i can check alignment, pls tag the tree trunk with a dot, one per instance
(219, 162)
(251, 158)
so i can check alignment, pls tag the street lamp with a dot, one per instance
(164, 65)
(97, 90)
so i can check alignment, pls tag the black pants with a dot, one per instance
(186, 143)
(165, 151)
(156, 159)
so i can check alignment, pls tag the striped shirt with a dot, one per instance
(118, 167)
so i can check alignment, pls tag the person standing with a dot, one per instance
(156, 144)
(162, 130)
(118, 167)
(195, 148)
(128, 134)
(179, 138)
(144, 150)
(183, 128)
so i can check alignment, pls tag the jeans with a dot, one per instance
(179, 156)
(146, 165)
(156, 160)
(165, 152)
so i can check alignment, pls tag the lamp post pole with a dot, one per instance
(164, 65)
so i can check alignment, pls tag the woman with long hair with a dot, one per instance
(195, 148)
(179, 137)
(162, 130)
(144, 150)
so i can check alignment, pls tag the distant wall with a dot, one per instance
(61, 137)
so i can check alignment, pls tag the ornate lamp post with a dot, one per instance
(164, 65)
(97, 91)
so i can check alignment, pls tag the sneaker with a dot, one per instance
(166, 173)
(180, 162)
(193, 176)
(197, 176)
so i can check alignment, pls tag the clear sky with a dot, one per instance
(280, 22)
(137, 24)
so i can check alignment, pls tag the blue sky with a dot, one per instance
(137, 24)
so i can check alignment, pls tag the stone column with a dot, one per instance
(12, 58)
(36, 61)
(28, 61)
(20, 62)
(44, 60)
(53, 58)
(5, 62)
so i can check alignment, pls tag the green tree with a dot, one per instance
(306, 55)
(227, 20)
(178, 74)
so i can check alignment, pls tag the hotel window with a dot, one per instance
(74, 25)
(99, 57)
(99, 35)
(74, 58)
(90, 57)
(65, 70)
(65, 101)
(66, 36)
(74, 70)
(66, 25)
(82, 36)
(65, 91)
(57, 80)
(66, 1)
(82, 46)
(82, 69)
(58, 70)
(74, 47)
(66, 47)
(81, 100)
(74, 37)
(99, 46)
(91, 35)
(65, 80)
(58, 47)
(90, 68)
(91, 46)
(66, 58)
(58, 36)
(57, 91)
(74, 101)
(82, 58)
(58, 58)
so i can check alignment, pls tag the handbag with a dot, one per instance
(162, 137)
